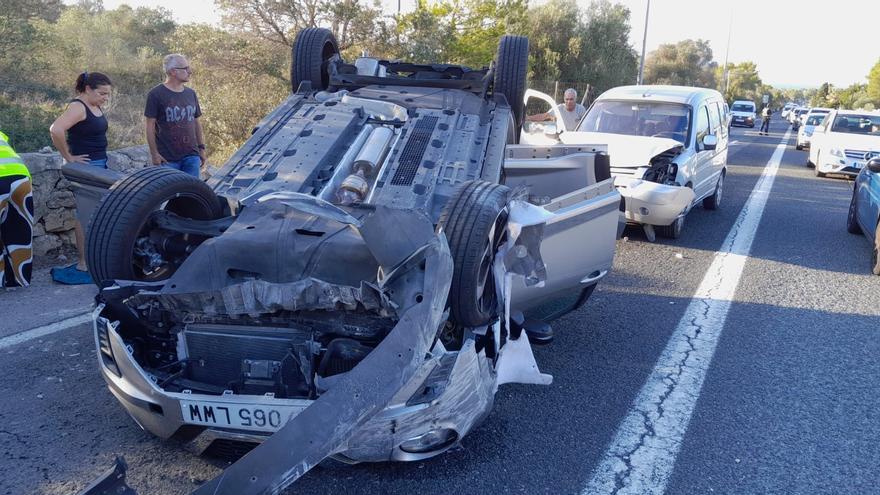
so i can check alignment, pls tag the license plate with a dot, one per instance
(857, 164)
(238, 416)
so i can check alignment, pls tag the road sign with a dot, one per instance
(765, 99)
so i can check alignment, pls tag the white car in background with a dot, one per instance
(742, 113)
(845, 142)
(795, 117)
(787, 108)
(667, 147)
(813, 118)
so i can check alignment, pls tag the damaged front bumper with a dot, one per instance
(651, 203)
(451, 390)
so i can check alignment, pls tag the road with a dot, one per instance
(782, 397)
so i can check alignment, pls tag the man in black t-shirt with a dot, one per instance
(172, 113)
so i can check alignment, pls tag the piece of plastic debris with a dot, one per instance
(39, 396)
(679, 256)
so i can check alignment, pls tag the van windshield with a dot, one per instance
(742, 107)
(669, 120)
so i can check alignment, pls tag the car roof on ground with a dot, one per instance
(687, 95)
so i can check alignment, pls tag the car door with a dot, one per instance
(702, 171)
(868, 199)
(817, 141)
(574, 184)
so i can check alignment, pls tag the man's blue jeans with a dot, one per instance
(189, 164)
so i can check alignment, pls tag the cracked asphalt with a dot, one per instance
(788, 404)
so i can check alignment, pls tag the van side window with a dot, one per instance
(702, 126)
(714, 117)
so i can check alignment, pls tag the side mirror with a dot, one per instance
(550, 129)
(710, 142)
(874, 165)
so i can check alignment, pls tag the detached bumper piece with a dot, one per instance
(655, 204)
(112, 482)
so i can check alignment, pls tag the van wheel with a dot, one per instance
(713, 202)
(673, 230)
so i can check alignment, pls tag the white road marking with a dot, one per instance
(642, 454)
(44, 330)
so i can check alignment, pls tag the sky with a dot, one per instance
(793, 42)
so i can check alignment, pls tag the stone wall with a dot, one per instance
(54, 203)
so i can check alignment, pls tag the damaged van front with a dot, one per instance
(667, 145)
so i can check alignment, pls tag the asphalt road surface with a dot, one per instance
(776, 392)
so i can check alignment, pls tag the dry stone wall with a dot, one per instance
(54, 203)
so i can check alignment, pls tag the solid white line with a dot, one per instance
(642, 454)
(44, 330)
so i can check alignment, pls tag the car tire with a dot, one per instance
(122, 213)
(673, 230)
(511, 66)
(852, 218)
(875, 255)
(713, 202)
(312, 49)
(474, 222)
(798, 147)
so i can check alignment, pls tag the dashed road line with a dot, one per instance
(45, 330)
(642, 455)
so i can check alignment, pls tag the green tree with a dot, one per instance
(23, 10)
(686, 63)
(740, 82)
(873, 87)
(239, 80)
(607, 59)
(820, 98)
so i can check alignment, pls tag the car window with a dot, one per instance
(702, 126)
(857, 124)
(816, 118)
(742, 107)
(721, 120)
(714, 117)
(638, 118)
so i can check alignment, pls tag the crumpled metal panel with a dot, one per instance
(326, 426)
(256, 297)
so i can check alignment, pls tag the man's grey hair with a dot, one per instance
(170, 60)
(570, 91)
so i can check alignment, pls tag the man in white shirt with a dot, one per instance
(571, 111)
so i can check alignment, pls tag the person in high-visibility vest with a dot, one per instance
(16, 218)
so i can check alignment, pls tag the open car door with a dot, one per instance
(574, 184)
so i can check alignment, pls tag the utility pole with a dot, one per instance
(726, 55)
(644, 41)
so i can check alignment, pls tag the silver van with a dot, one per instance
(667, 147)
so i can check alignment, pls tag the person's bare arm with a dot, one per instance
(200, 140)
(150, 124)
(74, 113)
(540, 117)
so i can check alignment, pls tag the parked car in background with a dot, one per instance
(795, 117)
(813, 118)
(787, 108)
(844, 142)
(742, 113)
(667, 145)
(864, 209)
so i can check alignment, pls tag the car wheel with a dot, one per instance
(673, 230)
(312, 50)
(117, 243)
(511, 66)
(474, 222)
(798, 147)
(852, 222)
(713, 202)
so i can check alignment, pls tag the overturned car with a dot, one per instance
(355, 281)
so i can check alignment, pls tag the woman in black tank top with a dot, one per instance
(84, 122)
(80, 135)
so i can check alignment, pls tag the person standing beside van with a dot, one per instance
(172, 113)
(571, 111)
(80, 135)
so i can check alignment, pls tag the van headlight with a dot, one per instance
(836, 152)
